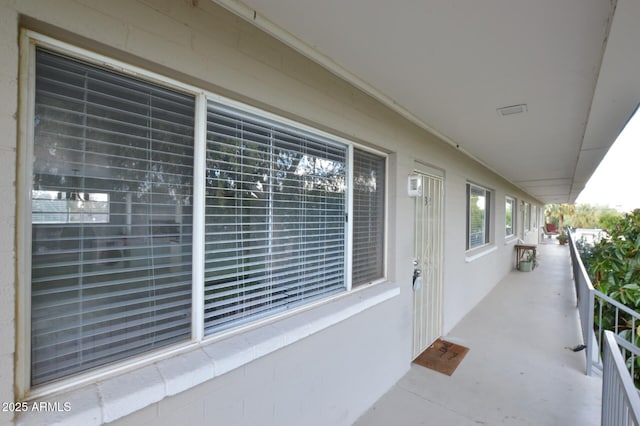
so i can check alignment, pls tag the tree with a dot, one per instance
(556, 213)
(581, 215)
(608, 220)
(585, 216)
(615, 261)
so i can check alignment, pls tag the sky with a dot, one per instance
(616, 181)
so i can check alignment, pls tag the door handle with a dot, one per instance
(417, 278)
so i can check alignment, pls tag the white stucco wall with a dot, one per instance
(332, 376)
(9, 91)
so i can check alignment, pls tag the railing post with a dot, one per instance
(588, 336)
(620, 400)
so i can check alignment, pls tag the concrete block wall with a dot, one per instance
(287, 387)
(8, 137)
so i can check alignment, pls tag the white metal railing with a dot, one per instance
(620, 400)
(625, 318)
(585, 294)
(592, 325)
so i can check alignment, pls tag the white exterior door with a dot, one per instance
(428, 249)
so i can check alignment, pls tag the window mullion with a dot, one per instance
(349, 189)
(270, 210)
(199, 172)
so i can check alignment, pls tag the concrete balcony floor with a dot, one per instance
(519, 370)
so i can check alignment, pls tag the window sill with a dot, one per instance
(478, 253)
(116, 397)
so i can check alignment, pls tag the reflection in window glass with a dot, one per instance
(69, 207)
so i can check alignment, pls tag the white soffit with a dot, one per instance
(449, 66)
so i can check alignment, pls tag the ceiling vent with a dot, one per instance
(512, 110)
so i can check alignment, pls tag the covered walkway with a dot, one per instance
(520, 369)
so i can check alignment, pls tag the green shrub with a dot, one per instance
(613, 265)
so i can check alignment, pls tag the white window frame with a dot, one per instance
(29, 40)
(513, 202)
(527, 217)
(488, 219)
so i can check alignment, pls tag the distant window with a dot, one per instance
(478, 216)
(534, 217)
(527, 216)
(510, 208)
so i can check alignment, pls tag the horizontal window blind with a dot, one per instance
(368, 217)
(275, 217)
(112, 217)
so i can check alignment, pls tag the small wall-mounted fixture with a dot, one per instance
(414, 187)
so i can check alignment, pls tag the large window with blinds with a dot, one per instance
(276, 227)
(290, 215)
(478, 216)
(111, 217)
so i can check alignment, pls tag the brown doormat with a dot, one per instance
(442, 356)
